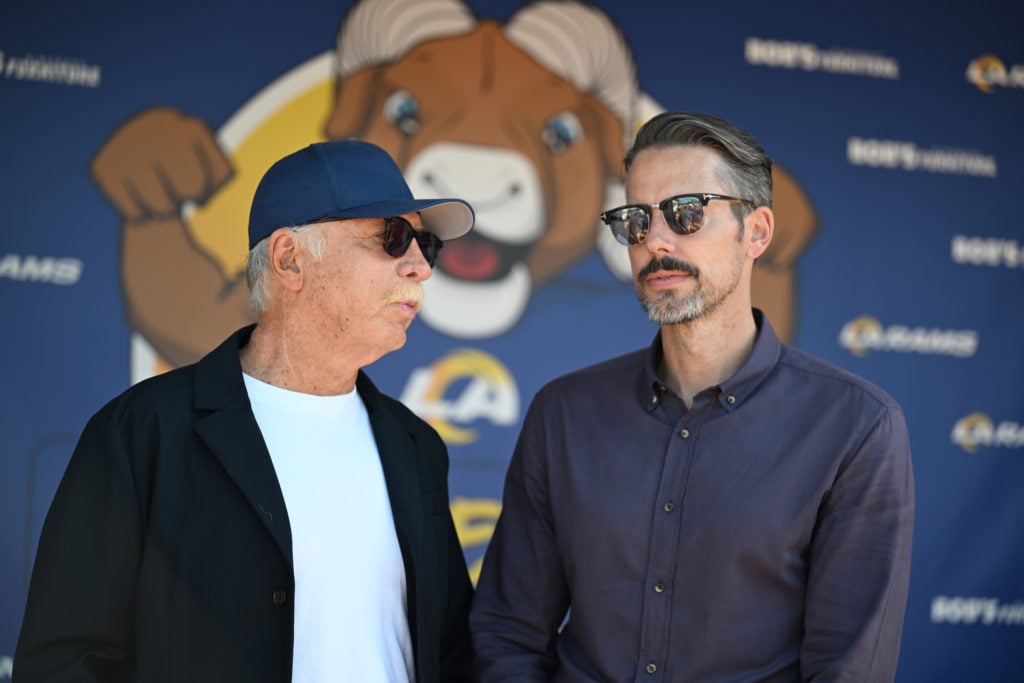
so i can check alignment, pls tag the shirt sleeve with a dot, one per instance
(79, 616)
(522, 595)
(859, 567)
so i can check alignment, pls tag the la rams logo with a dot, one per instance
(459, 389)
(972, 431)
(861, 334)
(463, 388)
(985, 71)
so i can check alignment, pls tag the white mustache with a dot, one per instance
(407, 291)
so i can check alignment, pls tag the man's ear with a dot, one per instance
(760, 228)
(283, 252)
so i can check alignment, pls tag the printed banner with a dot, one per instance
(134, 138)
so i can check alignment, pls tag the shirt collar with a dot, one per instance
(733, 391)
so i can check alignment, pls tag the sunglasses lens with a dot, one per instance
(629, 224)
(399, 234)
(684, 215)
(430, 244)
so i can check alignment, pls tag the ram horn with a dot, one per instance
(581, 44)
(381, 31)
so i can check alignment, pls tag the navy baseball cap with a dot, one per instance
(345, 179)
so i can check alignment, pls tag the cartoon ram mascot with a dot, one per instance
(528, 121)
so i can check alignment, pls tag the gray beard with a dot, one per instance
(668, 309)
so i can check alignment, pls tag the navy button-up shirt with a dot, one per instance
(762, 535)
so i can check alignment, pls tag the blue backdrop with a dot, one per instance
(899, 129)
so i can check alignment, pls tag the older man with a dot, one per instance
(266, 514)
(718, 506)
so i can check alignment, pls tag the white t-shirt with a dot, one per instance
(350, 616)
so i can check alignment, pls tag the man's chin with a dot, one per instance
(673, 311)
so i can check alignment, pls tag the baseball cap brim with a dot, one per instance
(446, 218)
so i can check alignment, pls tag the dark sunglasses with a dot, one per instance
(683, 213)
(399, 234)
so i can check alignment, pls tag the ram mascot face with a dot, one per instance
(527, 121)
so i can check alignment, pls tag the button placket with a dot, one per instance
(663, 560)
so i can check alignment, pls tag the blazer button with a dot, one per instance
(280, 597)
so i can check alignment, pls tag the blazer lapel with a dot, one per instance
(398, 460)
(232, 435)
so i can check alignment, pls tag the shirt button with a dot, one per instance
(654, 399)
(651, 668)
(668, 507)
(730, 399)
(279, 597)
(659, 587)
(685, 433)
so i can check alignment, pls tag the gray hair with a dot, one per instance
(746, 171)
(257, 269)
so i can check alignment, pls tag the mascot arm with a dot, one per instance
(176, 295)
(156, 161)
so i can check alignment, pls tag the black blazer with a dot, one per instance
(166, 553)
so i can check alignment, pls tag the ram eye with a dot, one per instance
(403, 110)
(562, 131)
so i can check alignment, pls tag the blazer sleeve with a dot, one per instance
(456, 649)
(79, 617)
